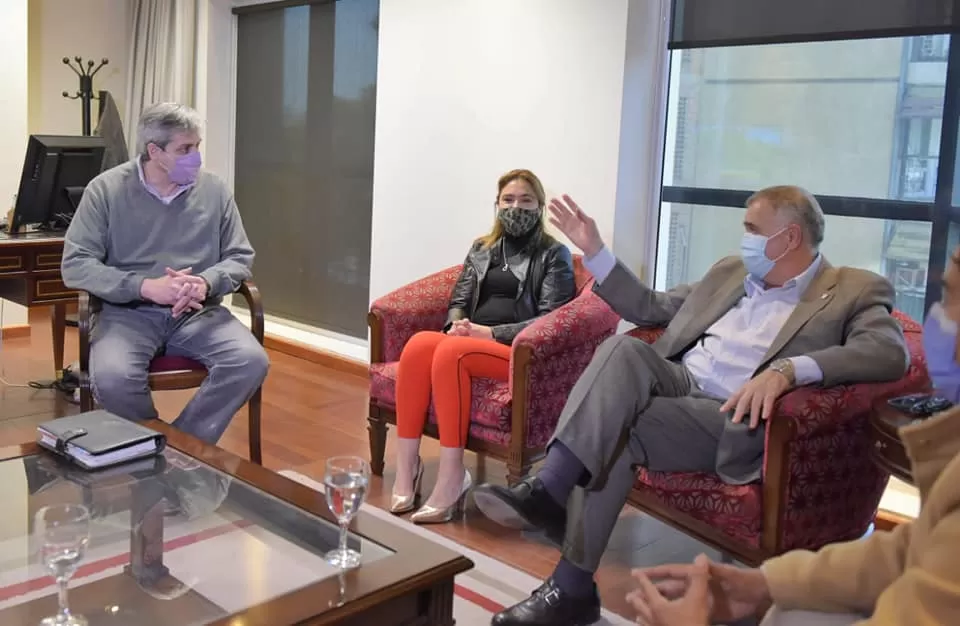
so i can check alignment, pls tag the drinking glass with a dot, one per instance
(63, 531)
(345, 482)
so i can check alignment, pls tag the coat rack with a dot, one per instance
(85, 93)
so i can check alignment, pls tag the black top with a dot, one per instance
(500, 287)
(498, 293)
(549, 282)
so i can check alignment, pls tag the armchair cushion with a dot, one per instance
(175, 364)
(735, 509)
(832, 486)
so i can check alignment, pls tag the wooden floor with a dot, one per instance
(311, 412)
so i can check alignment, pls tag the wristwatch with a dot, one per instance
(785, 367)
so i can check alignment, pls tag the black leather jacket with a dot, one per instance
(544, 269)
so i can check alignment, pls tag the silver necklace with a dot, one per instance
(503, 251)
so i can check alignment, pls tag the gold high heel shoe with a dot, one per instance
(404, 504)
(435, 515)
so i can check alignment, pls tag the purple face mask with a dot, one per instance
(185, 168)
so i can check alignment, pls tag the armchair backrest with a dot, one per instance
(913, 333)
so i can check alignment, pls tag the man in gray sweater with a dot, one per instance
(161, 243)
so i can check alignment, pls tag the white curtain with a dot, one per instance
(163, 52)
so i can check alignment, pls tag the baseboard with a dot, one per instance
(888, 520)
(316, 355)
(18, 331)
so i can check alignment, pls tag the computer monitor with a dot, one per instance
(56, 170)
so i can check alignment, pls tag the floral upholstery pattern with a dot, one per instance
(560, 345)
(421, 305)
(832, 487)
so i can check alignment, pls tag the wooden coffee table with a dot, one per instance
(204, 537)
(887, 450)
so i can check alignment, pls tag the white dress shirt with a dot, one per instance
(731, 349)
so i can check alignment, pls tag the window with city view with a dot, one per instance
(858, 119)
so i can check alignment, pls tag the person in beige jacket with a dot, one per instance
(906, 577)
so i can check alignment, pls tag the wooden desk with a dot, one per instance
(30, 276)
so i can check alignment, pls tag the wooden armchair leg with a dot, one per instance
(516, 471)
(253, 409)
(377, 431)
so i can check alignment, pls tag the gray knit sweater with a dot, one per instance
(122, 234)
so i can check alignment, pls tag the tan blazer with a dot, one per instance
(842, 321)
(907, 577)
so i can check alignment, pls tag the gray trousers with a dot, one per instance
(125, 340)
(630, 407)
(776, 617)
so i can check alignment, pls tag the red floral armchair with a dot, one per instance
(819, 484)
(511, 421)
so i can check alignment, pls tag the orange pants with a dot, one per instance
(445, 365)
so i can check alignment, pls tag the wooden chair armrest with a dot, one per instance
(248, 289)
(780, 432)
(87, 305)
(375, 323)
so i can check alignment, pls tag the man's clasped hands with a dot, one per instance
(179, 289)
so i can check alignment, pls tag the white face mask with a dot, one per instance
(753, 251)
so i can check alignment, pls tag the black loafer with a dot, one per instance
(526, 506)
(548, 606)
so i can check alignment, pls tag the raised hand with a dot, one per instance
(579, 227)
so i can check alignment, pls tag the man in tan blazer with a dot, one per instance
(775, 317)
(907, 577)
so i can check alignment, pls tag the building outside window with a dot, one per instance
(855, 119)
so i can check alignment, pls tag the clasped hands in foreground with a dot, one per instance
(178, 289)
(698, 594)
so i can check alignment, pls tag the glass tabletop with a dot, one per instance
(172, 541)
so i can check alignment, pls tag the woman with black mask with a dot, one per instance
(510, 277)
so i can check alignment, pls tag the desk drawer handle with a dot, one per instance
(49, 260)
(11, 263)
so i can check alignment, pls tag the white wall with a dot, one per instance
(467, 90)
(642, 123)
(13, 118)
(470, 89)
(91, 29)
(215, 84)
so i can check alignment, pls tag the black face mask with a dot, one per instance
(518, 222)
